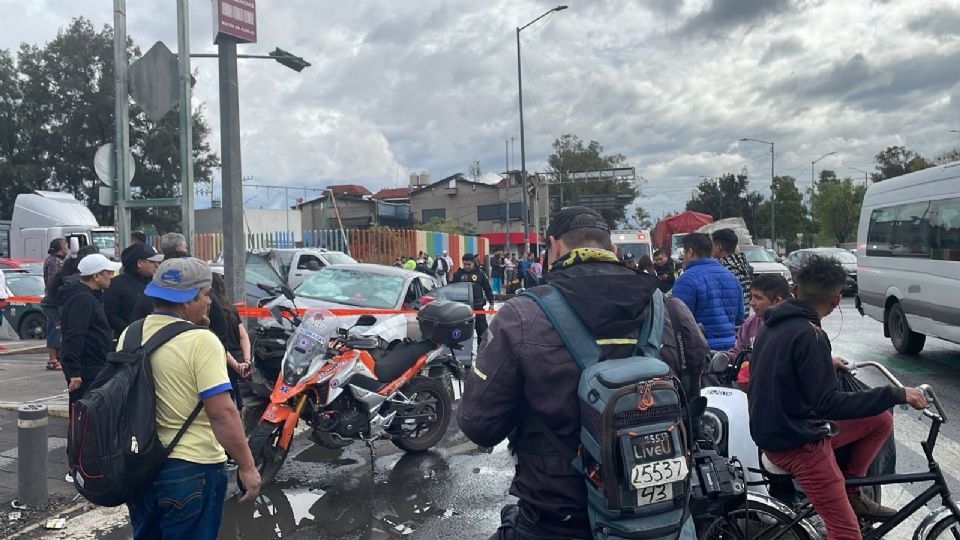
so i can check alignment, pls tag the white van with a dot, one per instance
(908, 251)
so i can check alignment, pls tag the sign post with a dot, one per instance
(186, 123)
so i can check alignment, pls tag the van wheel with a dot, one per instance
(905, 340)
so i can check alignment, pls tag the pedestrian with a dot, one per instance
(645, 264)
(236, 340)
(449, 259)
(767, 290)
(536, 271)
(441, 269)
(186, 500)
(469, 272)
(5, 293)
(795, 396)
(137, 237)
(510, 272)
(711, 292)
(630, 261)
(497, 272)
(523, 266)
(525, 371)
(666, 269)
(725, 250)
(51, 266)
(410, 264)
(398, 263)
(140, 262)
(172, 244)
(87, 336)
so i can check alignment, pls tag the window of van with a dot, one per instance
(900, 231)
(945, 230)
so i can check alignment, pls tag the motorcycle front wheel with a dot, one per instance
(412, 431)
(268, 455)
(756, 522)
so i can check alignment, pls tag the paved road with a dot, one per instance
(456, 491)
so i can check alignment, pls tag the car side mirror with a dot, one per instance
(366, 320)
(267, 287)
(287, 291)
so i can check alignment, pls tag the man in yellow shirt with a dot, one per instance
(186, 499)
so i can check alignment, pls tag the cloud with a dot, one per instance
(782, 49)
(722, 16)
(937, 22)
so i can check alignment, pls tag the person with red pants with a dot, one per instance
(794, 391)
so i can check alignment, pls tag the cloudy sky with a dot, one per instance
(399, 86)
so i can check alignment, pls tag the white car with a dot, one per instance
(763, 262)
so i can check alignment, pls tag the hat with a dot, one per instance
(179, 280)
(147, 252)
(94, 263)
(576, 217)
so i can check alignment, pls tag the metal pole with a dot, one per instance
(523, 155)
(343, 234)
(186, 123)
(32, 454)
(286, 206)
(773, 203)
(234, 244)
(506, 152)
(122, 121)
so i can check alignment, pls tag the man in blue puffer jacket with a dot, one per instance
(712, 292)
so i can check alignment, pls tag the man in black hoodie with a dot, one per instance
(86, 333)
(794, 391)
(525, 370)
(140, 262)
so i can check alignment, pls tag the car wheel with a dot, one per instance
(33, 326)
(905, 340)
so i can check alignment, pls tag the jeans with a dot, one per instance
(185, 501)
(815, 468)
(496, 284)
(53, 327)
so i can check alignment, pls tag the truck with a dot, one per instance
(671, 230)
(42, 216)
(636, 241)
(292, 265)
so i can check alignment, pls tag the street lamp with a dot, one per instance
(523, 155)
(813, 181)
(773, 195)
(865, 173)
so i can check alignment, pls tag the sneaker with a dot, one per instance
(865, 507)
(68, 478)
(3, 348)
(54, 366)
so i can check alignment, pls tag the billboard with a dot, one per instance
(235, 18)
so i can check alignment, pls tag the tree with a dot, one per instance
(446, 226)
(896, 161)
(571, 154)
(721, 197)
(792, 216)
(63, 110)
(948, 156)
(836, 207)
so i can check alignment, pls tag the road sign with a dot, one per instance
(154, 81)
(106, 196)
(235, 18)
(105, 165)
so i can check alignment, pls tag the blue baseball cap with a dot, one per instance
(179, 280)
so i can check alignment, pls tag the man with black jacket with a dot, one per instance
(140, 262)
(470, 272)
(794, 392)
(525, 370)
(86, 333)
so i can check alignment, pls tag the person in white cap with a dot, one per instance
(86, 333)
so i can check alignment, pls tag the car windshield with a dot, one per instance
(758, 255)
(353, 288)
(336, 257)
(638, 250)
(32, 267)
(844, 257)
(103, 239)
(25, 284)
(258, 270)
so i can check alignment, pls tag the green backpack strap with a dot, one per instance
(575, 335)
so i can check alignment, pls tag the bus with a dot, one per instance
(638, 242)
(908, 256)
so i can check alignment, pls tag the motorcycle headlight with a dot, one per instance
(714, 430)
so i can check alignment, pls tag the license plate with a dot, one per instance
(657, 473)
(654, 494)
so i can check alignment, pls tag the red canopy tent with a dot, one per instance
(683, 222)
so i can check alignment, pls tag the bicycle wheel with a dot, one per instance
(758, 521)
(946, 529)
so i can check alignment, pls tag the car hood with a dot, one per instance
(388, 327)
(768, 267)
(850, 267)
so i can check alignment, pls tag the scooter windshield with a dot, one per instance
(307, 348)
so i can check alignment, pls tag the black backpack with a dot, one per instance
(113, 449)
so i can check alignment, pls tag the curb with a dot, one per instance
(61, 411)
(24, 350)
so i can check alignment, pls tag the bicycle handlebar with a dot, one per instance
(925, 388)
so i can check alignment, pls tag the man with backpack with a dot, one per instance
(441, 269)
(525, 385)
(186, 498)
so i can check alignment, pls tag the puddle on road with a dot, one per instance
(389, 503)
(327, 456)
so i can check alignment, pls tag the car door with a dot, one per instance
(303, 266)
(411, 303)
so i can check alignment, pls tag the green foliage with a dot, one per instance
(836, 207)
(57, 108)
(948, 156)
(896, 161)
(571, 154)
(792, 215)
(447, 226)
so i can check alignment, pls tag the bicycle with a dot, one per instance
(770, 521)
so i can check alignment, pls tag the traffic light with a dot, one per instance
(295, 63)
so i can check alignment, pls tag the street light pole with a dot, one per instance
(813, 180)
(865, 174)
(773, 194)
(523, 155)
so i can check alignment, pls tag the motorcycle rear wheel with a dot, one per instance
(267, 454)
(433, 397)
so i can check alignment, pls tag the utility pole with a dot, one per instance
(186, 124)
(523, 156)
(121, 121)
(506, 152)
(234, 243)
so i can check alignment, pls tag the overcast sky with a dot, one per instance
(401, 86)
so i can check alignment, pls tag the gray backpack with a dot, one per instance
(633, 443)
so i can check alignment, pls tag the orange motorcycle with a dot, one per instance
(329, 380)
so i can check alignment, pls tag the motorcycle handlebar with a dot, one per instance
(925, 388)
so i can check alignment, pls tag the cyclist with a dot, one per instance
(794, 391)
